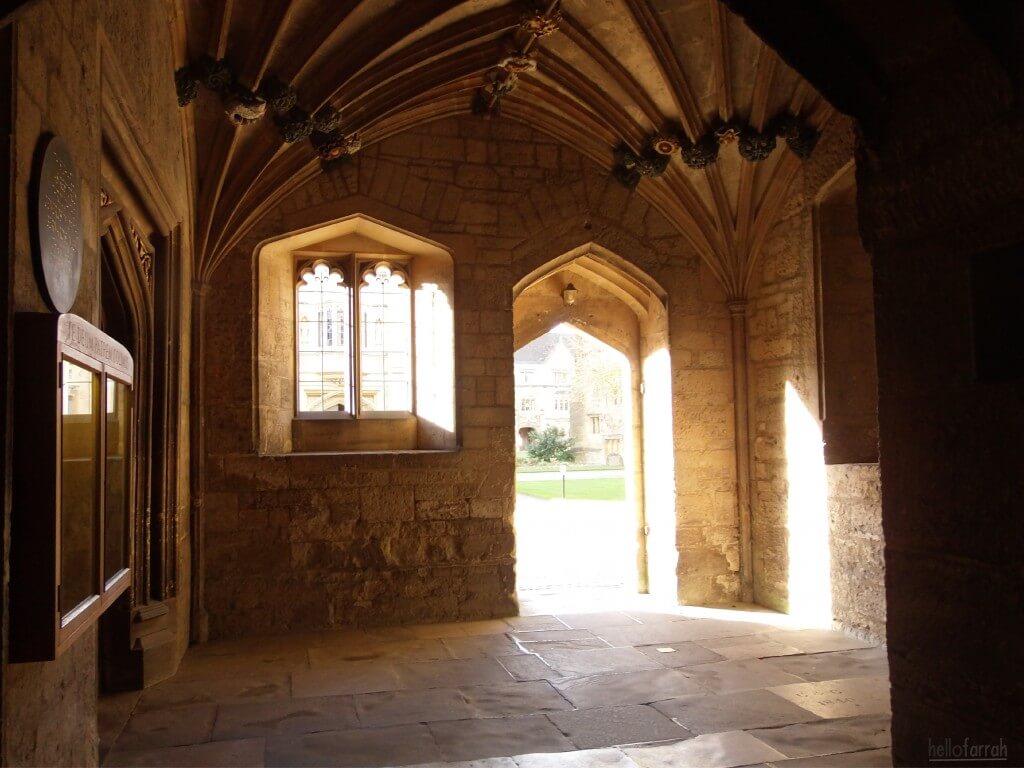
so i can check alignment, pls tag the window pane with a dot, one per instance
(385, 352)
(115, 509)
(324, 360)
(79, 513)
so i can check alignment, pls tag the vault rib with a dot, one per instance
(720, 43)
(668, 63)
(587, 43)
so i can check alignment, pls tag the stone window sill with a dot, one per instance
(354, 435)
(383, 452)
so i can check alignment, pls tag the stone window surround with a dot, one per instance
(431, 425)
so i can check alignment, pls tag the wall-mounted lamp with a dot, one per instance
(569, 295)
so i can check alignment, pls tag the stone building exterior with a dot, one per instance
(544, 371)
(799, 225)
(567, 381)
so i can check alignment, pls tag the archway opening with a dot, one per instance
(574, 518)
(592, 523)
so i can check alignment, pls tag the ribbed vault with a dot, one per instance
(616, 73)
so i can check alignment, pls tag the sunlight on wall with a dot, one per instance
(435, 360)
(634, 471)
(810, 582)
(659, 474)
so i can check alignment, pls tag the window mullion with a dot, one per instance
(320, 347)
(357, 330)
(412, 344)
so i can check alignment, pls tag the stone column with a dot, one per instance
(199, 625)
(738, 315)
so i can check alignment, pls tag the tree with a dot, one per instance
(551, 445)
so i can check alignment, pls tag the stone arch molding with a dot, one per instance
(604, 240)
(600, 255)
(430, 267)
(607, 284)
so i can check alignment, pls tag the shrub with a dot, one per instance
(551, 445)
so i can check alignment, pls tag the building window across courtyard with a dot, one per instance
(354, 346)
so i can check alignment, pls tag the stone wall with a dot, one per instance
(939, 185)
(50, 709)
(856, 545)
(703, 433)
(797, 502)
(782, 351)
(304, 540)
(847, 314)
(62, 49)
(933, 196)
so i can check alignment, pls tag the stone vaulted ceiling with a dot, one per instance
(615, 73)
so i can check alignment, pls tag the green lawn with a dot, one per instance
(598, 489)
(530, 468)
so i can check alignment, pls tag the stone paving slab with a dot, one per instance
(508, 699)
(497, 737)
(868, 758)
(460, 629)
(406, 707)
(840, 698)
(818, 640)
(597, 661)
(740, 710)
(528, 666)
(400, 650)
(576, 644)
(684, 654)
(240, 688)
(246, 753)
(270, 662)
(590, 758)
(626, 688)
(487, 762)
(597, 620)
(534, 623)
(712, 750)
(827, 737)
(285, 716)
(351, 678)
(677, 631)
(834, 665)
(551, 635)
(737, 675)
(452, 674)
(568, 691)
(482, 647)
(748, 647)
(615, 726)
(171, 727)
(363, 747)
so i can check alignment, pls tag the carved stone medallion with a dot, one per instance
(59, 222)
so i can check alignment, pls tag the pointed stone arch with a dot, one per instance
(618, 304)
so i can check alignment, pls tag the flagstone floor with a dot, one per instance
(639, 687)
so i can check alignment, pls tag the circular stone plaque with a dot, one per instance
(59, 212)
